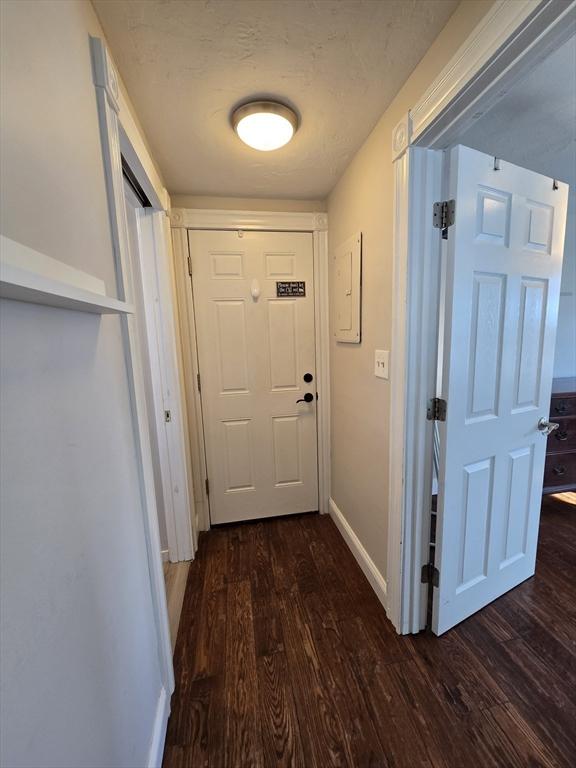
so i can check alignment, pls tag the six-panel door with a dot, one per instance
(255, 347)
(503, 280)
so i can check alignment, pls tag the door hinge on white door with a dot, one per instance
(436, 410)
(430, 575)
(198, 382)
(189, 266)
(207, 487)
(444, 216)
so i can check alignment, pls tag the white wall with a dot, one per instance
(80, 671)
(363, 200)
(565, 357)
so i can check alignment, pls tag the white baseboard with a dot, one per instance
(377, 581)
(156, 752)
(165, 555)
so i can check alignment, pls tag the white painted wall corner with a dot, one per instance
(377, 581)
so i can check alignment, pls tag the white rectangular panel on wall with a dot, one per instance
(348, 290)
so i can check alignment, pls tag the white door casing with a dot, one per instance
(254, 348)
(504, 262)
(146, 241)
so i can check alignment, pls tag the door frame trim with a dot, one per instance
(511, 39)
(183, 219)
(162, 364)
(105, 79)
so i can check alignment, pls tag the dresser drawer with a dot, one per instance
(562, 406)
(560, 470)
(563, 438)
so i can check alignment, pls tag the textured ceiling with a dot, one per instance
(339, 62)
(534, 125)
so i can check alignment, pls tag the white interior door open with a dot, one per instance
(504, 262)
(254, 309)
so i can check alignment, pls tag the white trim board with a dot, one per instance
(190, 372)
(377, 581)
(157, 196)
(192, 218)
(416, 277)
(183, 219)
(106, 86)
(156, 751)
(155, 273)
(30, 276)
(513, 37)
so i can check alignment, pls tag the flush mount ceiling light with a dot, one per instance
(265, 125)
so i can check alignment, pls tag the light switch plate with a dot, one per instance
(381, 362)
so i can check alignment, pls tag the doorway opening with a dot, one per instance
(482, 518)
(252, 291)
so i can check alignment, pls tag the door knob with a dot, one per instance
(308, 397)
(547, 427)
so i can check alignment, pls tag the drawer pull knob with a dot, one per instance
(560, 408)
(559, 471)
(562, 435)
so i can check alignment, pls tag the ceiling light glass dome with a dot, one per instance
(265, 125)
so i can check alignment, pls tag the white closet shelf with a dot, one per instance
(27, 275)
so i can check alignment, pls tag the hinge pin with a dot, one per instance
(430, 575)
(436, 410)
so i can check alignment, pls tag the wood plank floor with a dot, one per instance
(285, 658)
(175, 579)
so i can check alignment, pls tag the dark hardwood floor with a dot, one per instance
(285, 657)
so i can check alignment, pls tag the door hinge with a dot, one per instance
(430, 575)
(198, 382)
(167, 416)
(444, 216)
(189, 266)
(436, 410)
(207, 487)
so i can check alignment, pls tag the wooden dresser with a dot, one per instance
(560, 469)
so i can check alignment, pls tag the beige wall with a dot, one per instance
(362, 200)
(247, 204)
(79, 661)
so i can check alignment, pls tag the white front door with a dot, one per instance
(254, 308)
(504, 262)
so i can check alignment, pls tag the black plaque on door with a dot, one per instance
(291, 288)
